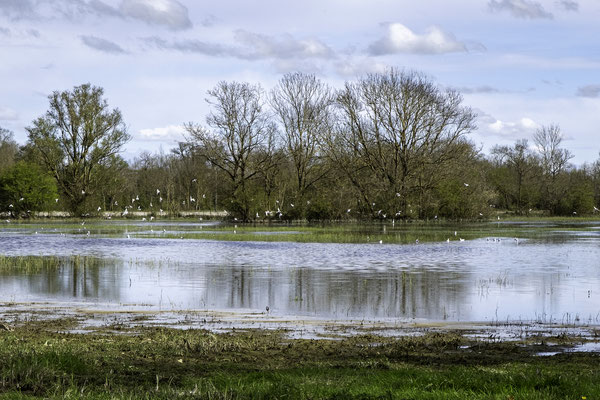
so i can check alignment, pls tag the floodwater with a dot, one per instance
(554, 278)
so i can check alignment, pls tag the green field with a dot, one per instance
(41, 360)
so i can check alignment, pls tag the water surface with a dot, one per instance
(552, 276)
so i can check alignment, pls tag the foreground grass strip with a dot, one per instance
(38, 361)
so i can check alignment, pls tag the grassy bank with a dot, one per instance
(37, 360)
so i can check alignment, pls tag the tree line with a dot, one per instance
(386, 145)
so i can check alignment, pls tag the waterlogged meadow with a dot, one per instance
(181, 309)
(393, 272)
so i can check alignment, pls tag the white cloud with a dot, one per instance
(400, 39)
(251, 46)
(525, 9)
(521, 128)
(351, 68)
(170, 13)
(103, 45)
(171, 133)
(283, 47)
(8, 114)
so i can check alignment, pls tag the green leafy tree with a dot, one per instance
(26, 187)
(77, 135)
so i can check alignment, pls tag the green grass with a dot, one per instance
(37, 264)
(38, 361)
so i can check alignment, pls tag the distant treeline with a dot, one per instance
(387, 145)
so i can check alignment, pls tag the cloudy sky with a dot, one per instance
(520, 64)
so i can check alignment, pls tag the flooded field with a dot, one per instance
(487, 272)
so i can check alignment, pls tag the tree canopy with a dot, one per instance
(77, 135)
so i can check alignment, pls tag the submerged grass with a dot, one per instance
(400, 232)
(38, 361)
(36, 264)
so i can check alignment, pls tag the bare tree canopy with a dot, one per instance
(302, 103)
(398, 125)
(554, 159)
(240, 141)
(8, 148)
(77, 134)
(554, 162)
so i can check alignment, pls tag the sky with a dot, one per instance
(520, 64)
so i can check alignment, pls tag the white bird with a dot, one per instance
(455, 233)
(461, 239)
(88, 233)
(292, 204)
(128, 236)
(144, 218)
(417, 241)
(125, 212)
(397, 194)
(21, 199)
(596, 209)
(10, 206)
(157, 191)
(448, 240)
(466, 184)
(116, 203)
(498, 218)
(348, 211)
(574, 212)
(139, 208)
(137, 197)
(99, 208)
(381, 242)
(151, 218)
(160, 199)
(194, 180)
(192, 200)
(150, 204)
(56, 200)
(82, 191)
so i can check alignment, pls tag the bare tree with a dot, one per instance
(401, 128)
(241, 132)
(554, 161)
(521, 162)
(77, 134)
(302, 103)
(8, 149)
